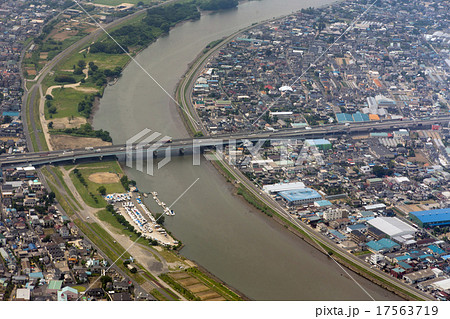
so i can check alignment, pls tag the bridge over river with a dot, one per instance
(176, 147)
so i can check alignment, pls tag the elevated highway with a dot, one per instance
(190, 145)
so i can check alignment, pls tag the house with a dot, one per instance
(23, 294)
(121, 285)
(54, 286)
(67, 294)
(2, 240)
(95, 292)
(121, 296)
(397, 272)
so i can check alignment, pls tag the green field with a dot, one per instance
(66, 101)
(62, 200)
(88, 169)
(102, 60)
(117, 2)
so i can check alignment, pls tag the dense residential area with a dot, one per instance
(314, 67)
(44, 256)
(68, 244)
(381, 196)
(368, 195)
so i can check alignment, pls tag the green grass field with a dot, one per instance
(117, 2)
(62, 200)
(66, 101)
(102, 60)
(100, 167)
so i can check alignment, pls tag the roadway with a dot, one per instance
(30, 99)
(188, 144)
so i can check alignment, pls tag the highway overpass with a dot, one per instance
(189, 145)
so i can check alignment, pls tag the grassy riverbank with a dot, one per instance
(255, 201)
(243, 191)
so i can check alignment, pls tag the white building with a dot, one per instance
(280, 187)
(375, 206)
(376, 258)
(393, 227)
(332, 214)
(442, 285)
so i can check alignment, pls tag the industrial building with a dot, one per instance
(320, 143)
(383, 245)
(280, 187)
(431, 218)
(300, 196)
(442, 285)
(396, 229)
(418, 276)
(355, 117)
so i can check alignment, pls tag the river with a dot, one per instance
(220, 231)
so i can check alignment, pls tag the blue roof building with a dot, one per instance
(436, 250)
(431, 218)
(323, 203)
(404, 265)
(358, 227)
(300, 196)
(402, 258)
(337, 234)
(344, 118)
(382, 245)
(360, 117)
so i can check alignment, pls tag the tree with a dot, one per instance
(160, 218)
(82, 64)
(50, 125)
(198, 134)
(380, 171)
(7, 119)
(104, 280)
(78, 71)
(52, 109)
(102, 190)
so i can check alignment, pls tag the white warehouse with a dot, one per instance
(394, 228)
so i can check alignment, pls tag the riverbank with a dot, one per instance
(326, 250)
(218, 229)
(183, 93)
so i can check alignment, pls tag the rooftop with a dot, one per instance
(300, 194)
(279, 187)
(392, 226)
(382, 244)
(433, 216)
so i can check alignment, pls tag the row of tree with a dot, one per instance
(217, 4)
(86, 130)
